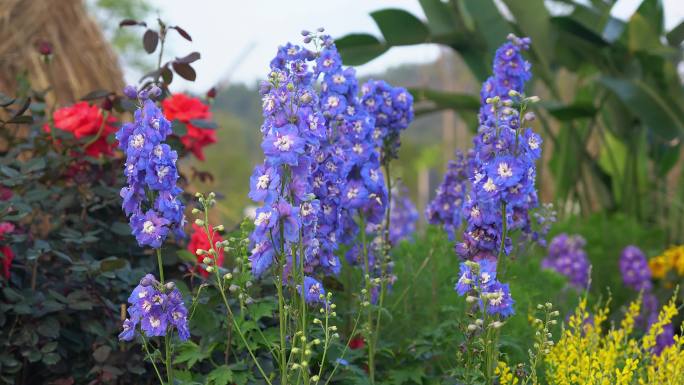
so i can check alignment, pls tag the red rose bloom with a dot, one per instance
(6, 253)
(357, 343)
(199, 240)
(84, 120)
(184, 108)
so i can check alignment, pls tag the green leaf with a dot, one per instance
(641, 35)
(571, 111)
(536, 25)
(661, 116)
(51, 358)
(179, 128)
(676, 35)
(489, 23)
(187, 256)
(359, 48)
(190, 353)
(220, 376)
(399, 27)
(49, 328)
(112, 263)
(441, 100)
(441, 19)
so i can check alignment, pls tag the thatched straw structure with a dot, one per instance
(82, 59)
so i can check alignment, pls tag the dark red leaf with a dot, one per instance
(167, 75)
(22, 109)
(192, 57)
(183, 33)
(97, 94)
(129, 22)
(184, 70)
(150, 40)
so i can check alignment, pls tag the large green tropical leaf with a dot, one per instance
(440, 16)
(359, 48)
(400, 27)
(441, 100)
(656, 112)
(492, 26)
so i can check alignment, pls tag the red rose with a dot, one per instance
(357, 343)
(199, 240)
(6, 253)
(84, 120)
(7, 256)
(184, 108)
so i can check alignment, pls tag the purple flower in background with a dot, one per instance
(392, 108)
(156, 310)
(634, 269)
(567, 257)
(403, 214)
(445, 208)
(152, 174)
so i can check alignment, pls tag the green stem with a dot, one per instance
(504, 233)
(281, 317)
(161, 266)
(149, 357)
(167, 348)
(231, 316)
(369, 322)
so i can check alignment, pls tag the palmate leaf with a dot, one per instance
(663, 117)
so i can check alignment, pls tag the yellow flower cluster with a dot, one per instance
(671, 259)
(587, 355)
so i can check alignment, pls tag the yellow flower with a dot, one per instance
(586, 354)
(505, 375)
(659, 266)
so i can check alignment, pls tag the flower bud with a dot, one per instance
(227, 276)
(130, 92)
(199, 222)
(210, 269)
(207, 261)
(170, 285)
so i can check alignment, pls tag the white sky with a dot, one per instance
(224, 30)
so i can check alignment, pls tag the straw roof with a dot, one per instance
(82, 59)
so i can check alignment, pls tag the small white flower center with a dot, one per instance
(263, 181)
(137, 141)
(489, 186)
(505, 170)
(284, 143)
(148, 227)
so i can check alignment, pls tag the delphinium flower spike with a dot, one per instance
(567, 257)
(445, 208)
(403, 213)
(151, 199)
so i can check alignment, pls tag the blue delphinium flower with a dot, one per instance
(314, 293)
(445, 208)
(502, 169)
(392, 108)
(479, 280)
(403, 214)
(292, 131)
(567, 257)
(157, 309)
(151, 198)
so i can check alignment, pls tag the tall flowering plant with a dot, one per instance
(151, 201)
(489, 193)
